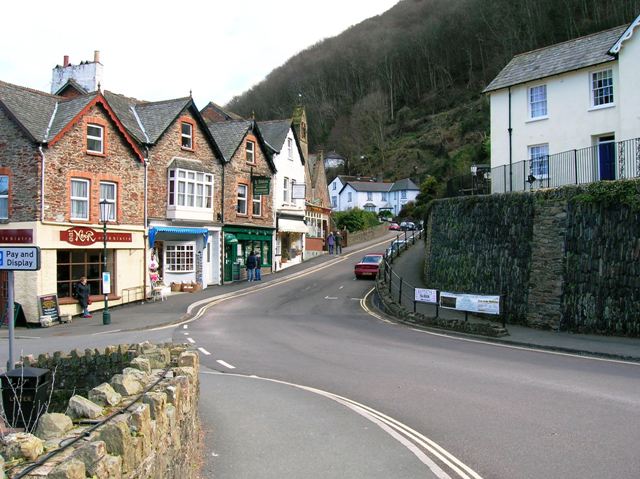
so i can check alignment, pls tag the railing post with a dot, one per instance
(575, 163)
(390, 280)
(400, 293)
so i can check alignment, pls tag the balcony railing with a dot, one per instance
(605, 161)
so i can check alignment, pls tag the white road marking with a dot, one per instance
(204, 351)
(186, 334)
(330, 297)
(225, 364)
(341, 287)
(191, 340)
(185, 326)
(107, 332)
(356, 299)
(407, 436)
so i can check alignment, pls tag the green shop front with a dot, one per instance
(239, 241)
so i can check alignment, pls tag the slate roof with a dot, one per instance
(275, 132)
(194, 165)
(228, 135)
(67, 111)
(158, 116)
(405, 184)
(124, 108)
(31, 108)
(370, 186)
(560, 58)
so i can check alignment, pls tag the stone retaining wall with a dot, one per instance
(143, 423)
(366, 235)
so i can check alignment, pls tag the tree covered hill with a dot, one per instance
(400, 95)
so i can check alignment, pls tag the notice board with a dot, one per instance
(49, 306)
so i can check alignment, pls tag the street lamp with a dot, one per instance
(105, 214)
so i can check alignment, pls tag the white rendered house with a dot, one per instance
(335, 187)
(568, 113)
(402, 192)
(288, 190)
(366, 195)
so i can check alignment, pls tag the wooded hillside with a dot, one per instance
(400, 94)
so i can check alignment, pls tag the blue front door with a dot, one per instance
(607, 159)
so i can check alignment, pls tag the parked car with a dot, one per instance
(369, 266)
(395, 246)
(394, 226)
(407, 226)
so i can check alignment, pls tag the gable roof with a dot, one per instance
(628, 33)
(560, 58)
(366, 186)
(229, 135)
(214, 112)
(71, 84)
(158, 116)
(405, 184)
(275, 133)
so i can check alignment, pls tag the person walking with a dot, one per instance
(338, 241)
(330, 242)
(251, 266)
(258, 274)
(82, 292)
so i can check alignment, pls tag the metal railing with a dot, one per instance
(605, 161)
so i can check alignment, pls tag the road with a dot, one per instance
(298, 380)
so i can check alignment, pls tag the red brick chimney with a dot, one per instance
(66, 61)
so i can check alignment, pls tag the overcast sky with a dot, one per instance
(154, 50)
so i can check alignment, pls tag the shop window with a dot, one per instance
(4, 197)
(79, 199)
(179, 257)
(109, 192)
(95, 139)
(241, 207)
(192, 189)
(72, 264)
(250, 151)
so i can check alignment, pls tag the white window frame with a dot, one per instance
(250, 152)
(186, 137)
(290, 149)
(4, 199)
(285, 190)
(179, 257)
(113, 201)
(334, 201)
(256, 200)
(190, 189)
(242, 199)
(597, 90)
(80, 199)
(537, 100)
(349, 197)
(369, 195)
(539, 160)
(383, 196)
(334, 186)
(99, 139)
(403, 194)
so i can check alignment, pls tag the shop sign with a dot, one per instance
(16, 236)
(298, 191)
(83, 236)
(261, 185)
(49, 306)
(473, 303)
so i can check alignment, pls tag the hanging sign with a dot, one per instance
(298, 191)
(261, 185)
(473, 303)
(83, 236)
(20, 258)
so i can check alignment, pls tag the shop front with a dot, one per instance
(183, 256)
(290, 239)
(239, 242)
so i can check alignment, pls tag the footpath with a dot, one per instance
(181, 306)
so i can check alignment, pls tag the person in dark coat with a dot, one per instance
(251, 266)
(82, 292)
(338, 241)
(258, 273)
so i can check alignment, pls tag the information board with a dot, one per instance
(426, 295)
(473, 303)
(298, 191)
(19, 258)
(49, 306)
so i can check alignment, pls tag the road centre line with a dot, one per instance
(204, 351)
(399, 431)
(191, 340)
(225, 364)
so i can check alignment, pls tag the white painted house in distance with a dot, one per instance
(289, 190)
(568, 113)
(372, 196)
(336, 185)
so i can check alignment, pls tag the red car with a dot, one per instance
(369, 266)
(394, 226)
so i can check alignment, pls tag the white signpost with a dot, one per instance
(16, 258)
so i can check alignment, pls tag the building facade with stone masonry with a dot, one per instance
(289, 192)
(568, 113)
(61, 157)
(248, 212)
(183, 189)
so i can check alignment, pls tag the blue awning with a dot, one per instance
(176, 231)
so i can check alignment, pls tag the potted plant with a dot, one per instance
(285, 255)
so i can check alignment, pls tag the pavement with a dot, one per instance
(181, 306)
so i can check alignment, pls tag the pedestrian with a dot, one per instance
(82, 291)
(330, 242)
(338, 241)
(251, 266)
(258, 275)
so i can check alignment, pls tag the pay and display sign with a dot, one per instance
(20, 258)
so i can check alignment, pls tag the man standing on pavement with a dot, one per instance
(81, 293)
(330, 242)
(338, 241)
(251, 266)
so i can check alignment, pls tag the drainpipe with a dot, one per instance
(222, 252)
(42, 184)
(510, 146)
(145, 220)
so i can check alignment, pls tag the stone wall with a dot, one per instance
(564, 258)
(143, 423)
(361, 236)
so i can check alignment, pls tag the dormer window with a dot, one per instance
(95, 139)
(250, 151)
(187, 135)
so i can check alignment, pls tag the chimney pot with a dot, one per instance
(65, 63)
(96, 56)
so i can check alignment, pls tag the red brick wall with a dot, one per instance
(238, 171)
(68, 159)
(20, 160)
(170, 146)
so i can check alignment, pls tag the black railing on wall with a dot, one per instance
(605, 161)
